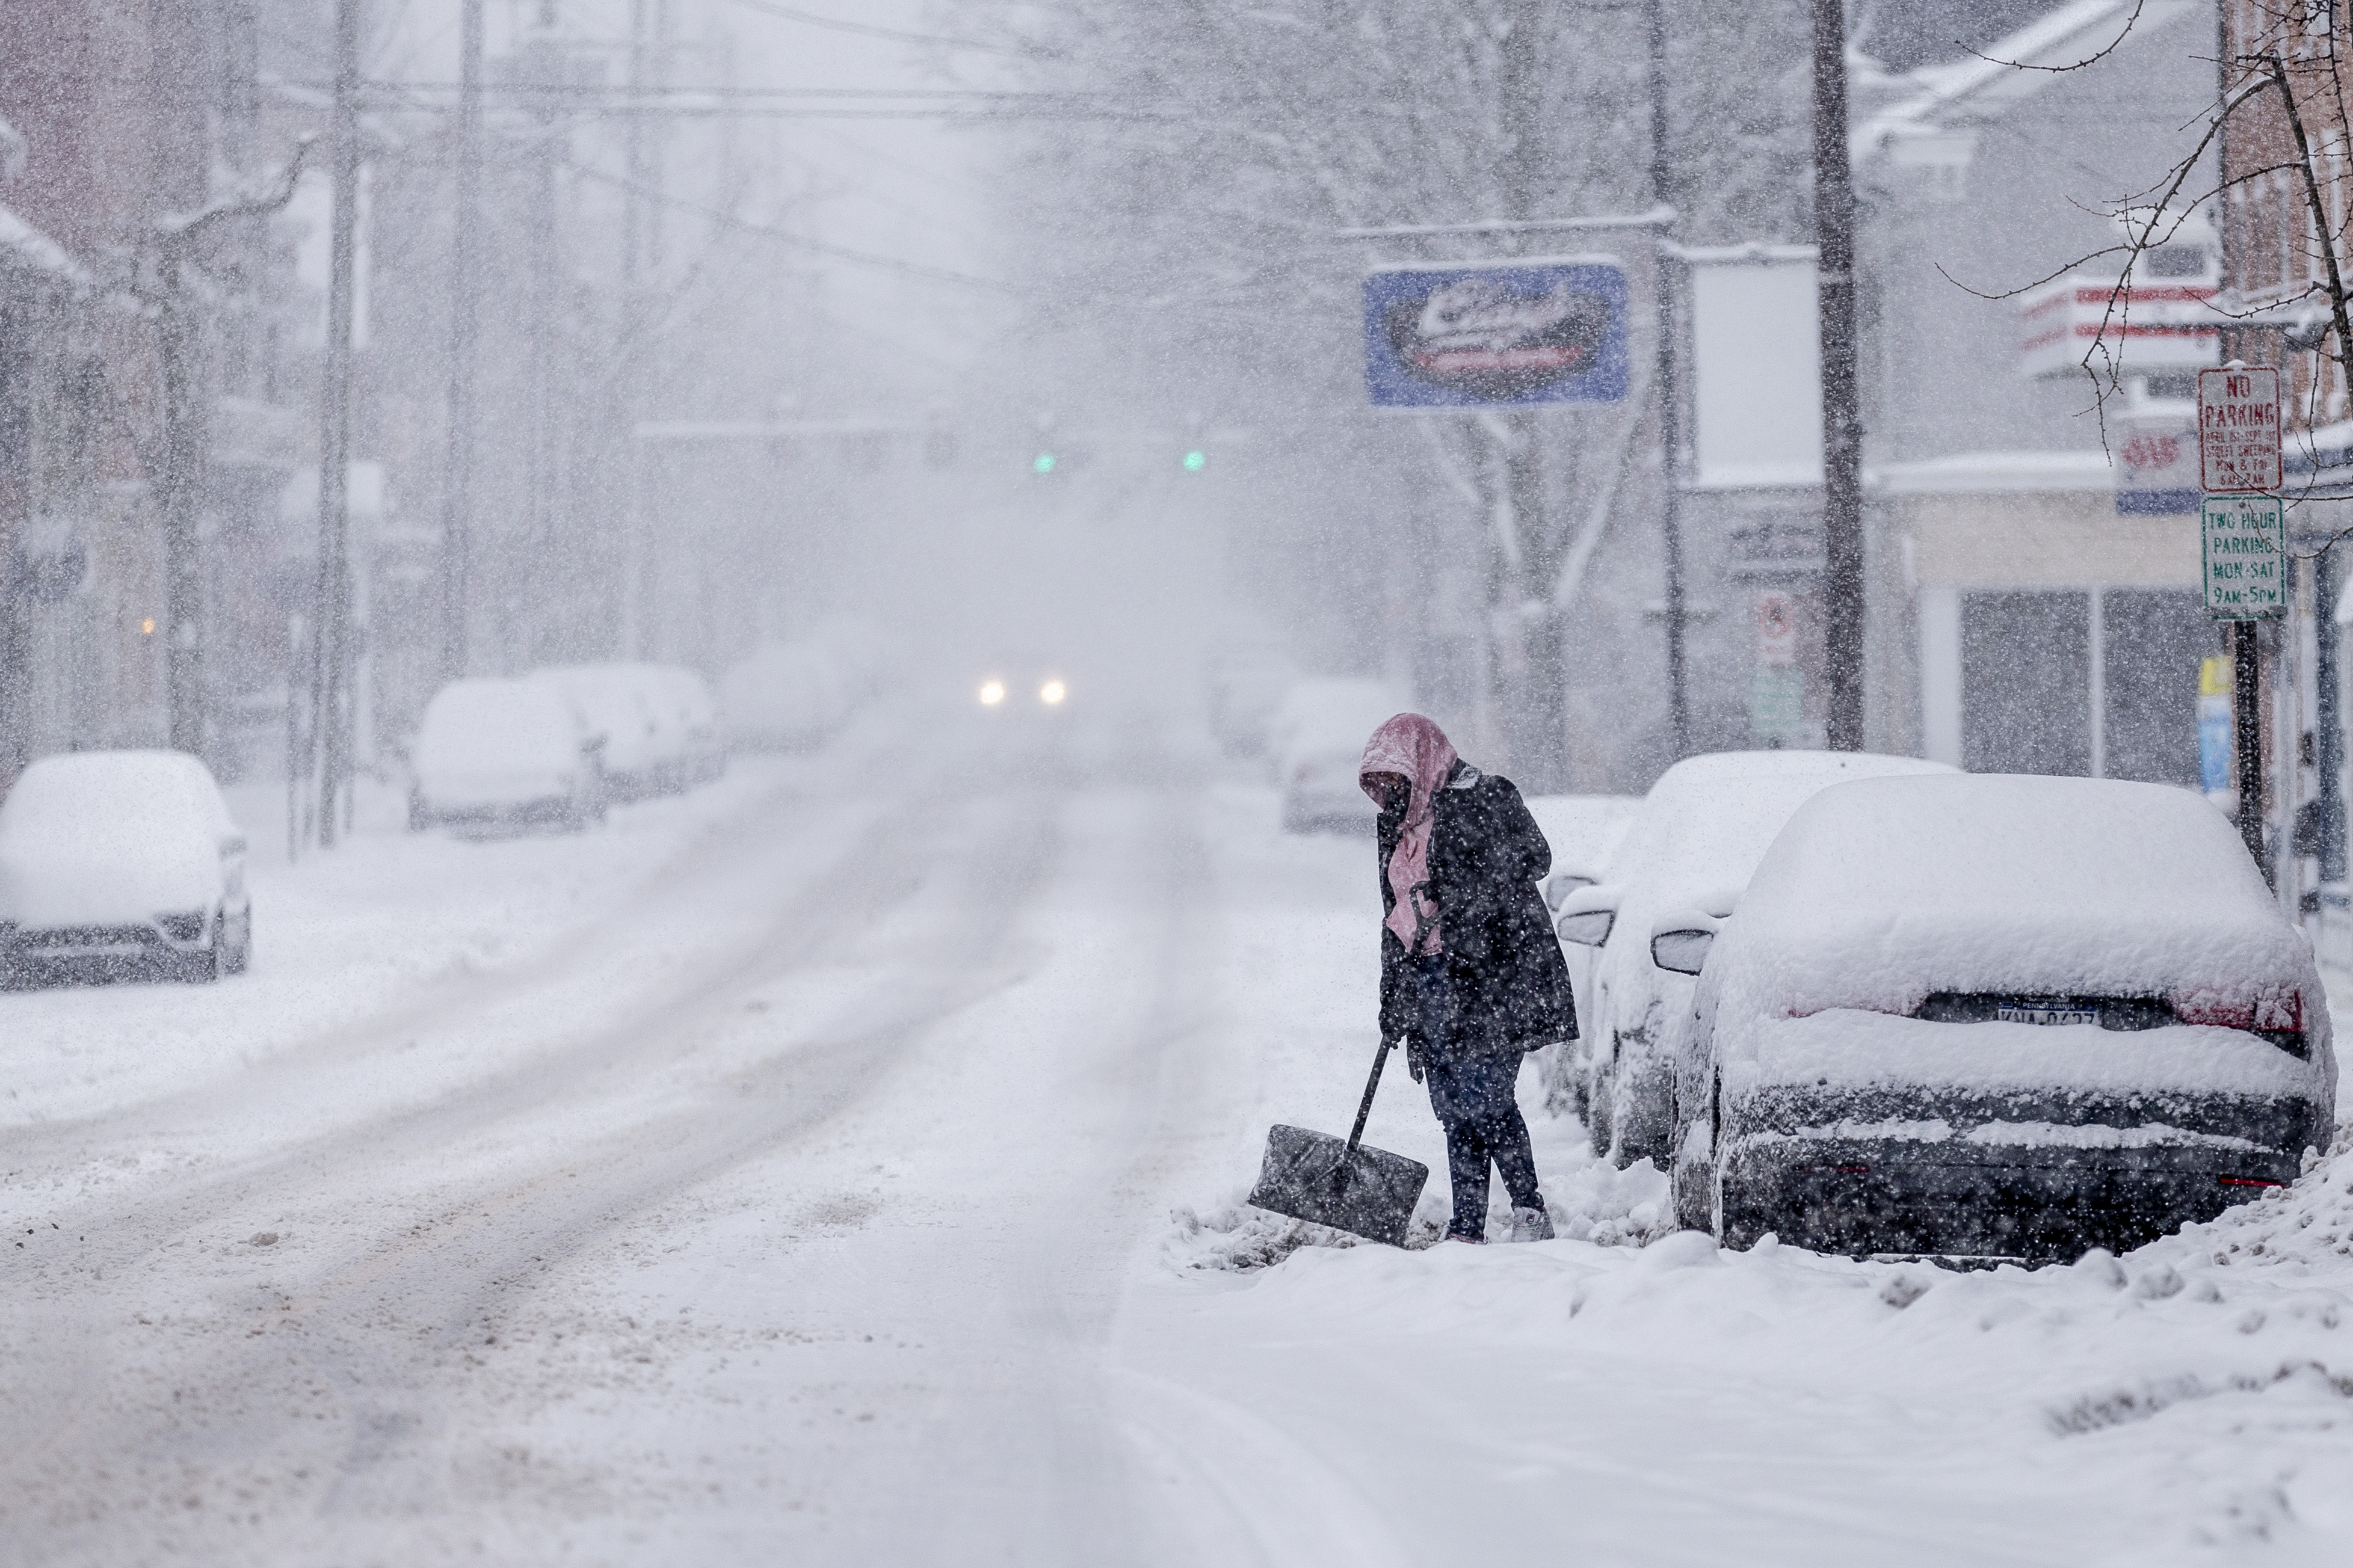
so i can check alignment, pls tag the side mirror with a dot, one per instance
(1561, 885)
(232, 844)
(1679, 942)
(1682, 951)
(1587, 928)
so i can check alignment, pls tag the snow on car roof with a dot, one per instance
(1708, 820)
(146, 786)
(1884, 890)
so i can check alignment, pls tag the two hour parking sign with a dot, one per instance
(2241, 539)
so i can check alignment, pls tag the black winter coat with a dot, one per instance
(1502, 960)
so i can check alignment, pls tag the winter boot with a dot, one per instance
(1531, 1224)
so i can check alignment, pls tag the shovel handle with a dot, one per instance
(1356, 1134)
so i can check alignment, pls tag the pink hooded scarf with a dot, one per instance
(1416, 751)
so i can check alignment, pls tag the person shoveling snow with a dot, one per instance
(1472, 980)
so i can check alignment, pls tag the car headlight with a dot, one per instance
(992, 692)
(1052, 692)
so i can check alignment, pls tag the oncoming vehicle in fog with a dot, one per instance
(121, 865)
(498, 753)
(1695, 839)
(1022, 689)
(1997, 1017)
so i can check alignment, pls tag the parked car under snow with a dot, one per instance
(119, 864)
(503, 754)
(1316, 740)
(1694, 842)
(1998, 1016)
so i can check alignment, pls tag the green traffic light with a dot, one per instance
(1044, 463)
(1196, 460)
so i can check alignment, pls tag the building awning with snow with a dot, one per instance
(1995, 473)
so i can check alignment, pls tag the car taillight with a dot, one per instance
(2248, 1182)
(2276, 1017)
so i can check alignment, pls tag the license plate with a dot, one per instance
(2032, 1014)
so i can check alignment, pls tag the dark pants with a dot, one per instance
(1471, 1088)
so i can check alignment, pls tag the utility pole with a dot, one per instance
(179, 350)
(457, 488)
(1533, 681)
(331, 652)
(633, 323)
(2247, 726)
(2328, 725)
(1671, 523)
(1842, 592)
(540, 470)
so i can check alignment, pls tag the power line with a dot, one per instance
(786, 236)
(867, 29)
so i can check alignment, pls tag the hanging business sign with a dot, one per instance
(1501, 335)
(2156, 465)
(2239, 429)
(2241, 538)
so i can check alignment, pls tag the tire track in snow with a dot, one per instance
(353, 1350)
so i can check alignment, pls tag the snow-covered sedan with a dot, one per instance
(502, 754)
(1316, 740)
(1697, 836)
(121, 864)
(1996, 1017)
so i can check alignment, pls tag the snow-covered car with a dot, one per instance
(1316, 740)
(689, 694)
(640, 735)
(1998, 1016)
(115, 864)
(505, 753)
(785, 696)
(1246, 685)
(1698, 835)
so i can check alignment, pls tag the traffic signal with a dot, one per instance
(1196, 460)
(1044, 463)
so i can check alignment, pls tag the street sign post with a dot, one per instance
(2242, 535)
(2239, 431)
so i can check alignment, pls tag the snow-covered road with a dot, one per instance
(786, 1173)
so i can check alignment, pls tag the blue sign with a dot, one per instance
(1496, 336)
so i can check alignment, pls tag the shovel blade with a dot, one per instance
(1312, 1176)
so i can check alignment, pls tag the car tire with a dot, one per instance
(1600, 1097)
(205, 968)
(240, 957)
(1689, 1182)
(418, 821)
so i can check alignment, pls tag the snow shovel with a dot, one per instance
(1315, 1177)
